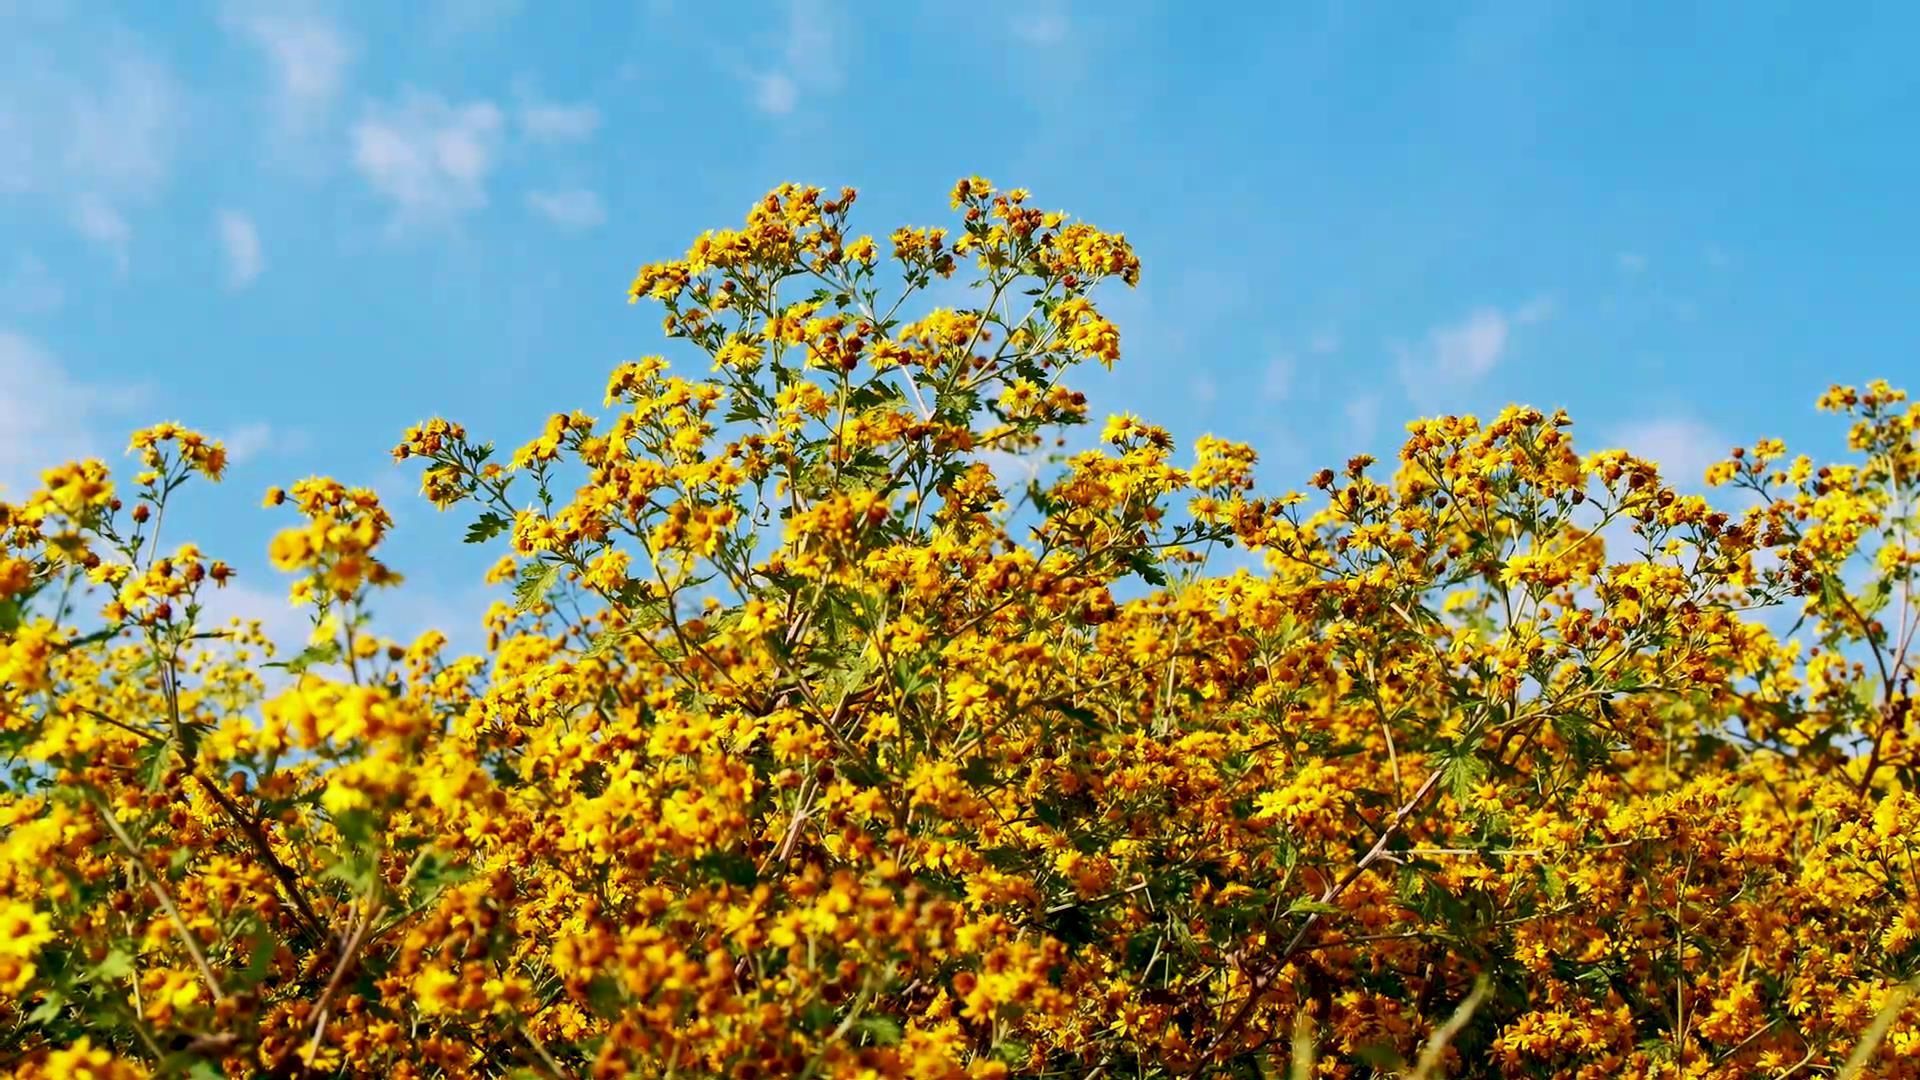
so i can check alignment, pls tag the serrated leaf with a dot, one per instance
(730, 867)
(535, 579)
(118, 964)
(1463, 773)
(260, 961)
(882, 1030)
(49, 1010)
(605, 641)
(1141, 563)
(353, 871)
(434, 872)
(98, 636)
(487, 526)
(325, 652)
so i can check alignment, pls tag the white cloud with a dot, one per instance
(248, 441)
(775, 93)
(813, 60)
(241, 242)
(1205, 390)
(1325, 342)
(46, 415)
(1631, 261)
(309, 56)
(101, 120)
(111, 130)
(285, 625)
(816, 32)
(1464, 352)
(1041, 27)
(1012, 472)
(574, 208)
(30, 288)
(548, 122)
(458, 18)
(1363, 419)
(1277, 382)
(1470, 348)
(94, 219)
(427, 157)
(1683, 447)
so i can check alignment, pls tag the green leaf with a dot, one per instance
(535, 579)
(117, 965)
(605, 641)
(1463, 772)
(98, 636)
(49, 1010)
(260, 961)
(325, 652)
(1143, 564)
(488, 526)
(1380, 1056)
(1305, 906)
(436, 870)
(354, 871)
(882, 1030)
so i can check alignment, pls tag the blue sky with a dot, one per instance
(305, 226)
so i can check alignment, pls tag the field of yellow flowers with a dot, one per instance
(807, 745)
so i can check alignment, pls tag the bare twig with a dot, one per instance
(356, 941)
(160, 892)
(265, 850)
(1436, 1047)
(1264, 980)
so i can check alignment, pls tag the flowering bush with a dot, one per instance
(811, 744)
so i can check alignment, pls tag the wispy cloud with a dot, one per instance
(30, 287)
(103, 122)
(258, 439)
(48, 416)
(1362, 414)
(774, 92)
(812, 60)
(99, 222)
(1048, 25)
(572, 208)
(1276, 382)
(1205, 390)
(1682, 446)
(453, 19)
(427, 157)
(545, 121)
(307, 53)
(241, 242)
(1462, 353)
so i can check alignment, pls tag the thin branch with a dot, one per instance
(1263, 982)
(164, 896)
(355, 942)
(265, 850)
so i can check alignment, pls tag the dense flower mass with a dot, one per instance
(815, 741)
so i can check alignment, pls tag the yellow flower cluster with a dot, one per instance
(809, 742)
